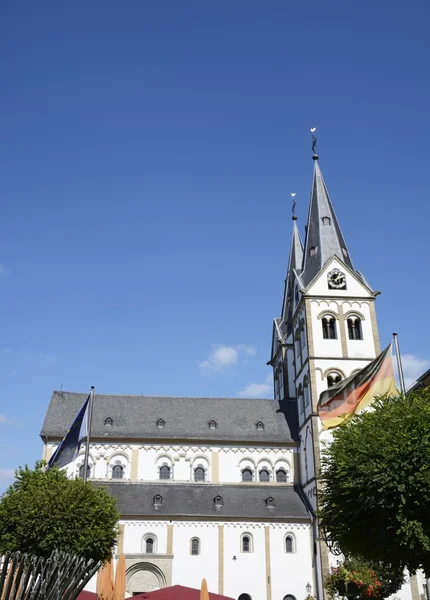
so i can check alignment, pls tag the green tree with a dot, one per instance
(45, 510)
(375, 498)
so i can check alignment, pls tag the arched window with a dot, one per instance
(244, 597)
(81, 471)
(246, 475)
(300, 399)
(165, 472)
(270, 502)
(289, 544)
(329, 327)
(108, 422)
(246, 543)
(313, 251)
(325, 220)
(199, 474)
(264, 475)
(160, 423)
(281, 476)
(260, 425)
(218, 502)
(212, 425)
(158, 501)
(289, 597)
(117, 472)
(354, 328)
(195, 546)
(333, 379)
(149, 545)
(306, 390)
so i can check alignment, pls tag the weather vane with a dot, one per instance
(293, 196)
(314, 140)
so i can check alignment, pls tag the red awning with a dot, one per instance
(176, 592)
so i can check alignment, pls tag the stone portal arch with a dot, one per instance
(144, 577)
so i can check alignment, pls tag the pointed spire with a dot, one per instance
(294, 264)
(323, 235)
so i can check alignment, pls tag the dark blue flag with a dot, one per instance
(68, 450)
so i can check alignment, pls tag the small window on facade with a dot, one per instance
(81, 471)
(160, 423)
(354, 328)
(149, 545)
(260, 425)
(212, 424)
(264, 475)
(345, 252)
(329, 327)
(158, 501)
(108, 422)
(326, 220)
(313, 251)
(246, 475)
(199, 474)
(281, 476)
(195, 547)
(165, 472)
(218, 501)
(246, 543)
(333, 379)
(270, 502)
(289, 544)
(117, 472)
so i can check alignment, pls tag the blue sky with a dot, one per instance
(149, 150)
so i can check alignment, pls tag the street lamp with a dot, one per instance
(308, 589)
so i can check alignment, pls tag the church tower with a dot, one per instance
(327, 330)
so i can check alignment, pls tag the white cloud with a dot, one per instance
(7, 475)
(222, 357)
(7, 420)
(258, 390)
(413, 367)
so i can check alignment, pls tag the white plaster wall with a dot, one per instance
(324, 347)
(290, 572)
(135, 532)
(189, 570)
(246, 574)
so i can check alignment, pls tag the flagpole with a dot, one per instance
(399, 364)
(87, 445)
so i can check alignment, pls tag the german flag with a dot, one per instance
(339, 403)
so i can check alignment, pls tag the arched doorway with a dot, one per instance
(244, 597)
(144, 577)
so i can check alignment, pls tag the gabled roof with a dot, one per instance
(239, 501)
(136, 417)
(323, 234)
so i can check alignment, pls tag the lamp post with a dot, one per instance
(308, 589)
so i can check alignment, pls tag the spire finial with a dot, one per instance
(314, 144)
(293, 197)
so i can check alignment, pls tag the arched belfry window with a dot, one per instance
(117, 472)
(199, 474)
(149, 545)
(333, 379)
(165, 472)
(264, 475)
(281, 476)
(82, 470)
(247, 475)
(354, 328)
(329, 327)
(326, 220)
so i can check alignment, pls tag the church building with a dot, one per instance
(225, 488)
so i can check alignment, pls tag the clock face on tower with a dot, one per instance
(336, 280)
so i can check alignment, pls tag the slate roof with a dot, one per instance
(135, 417)
(328, 239)
(197, 500)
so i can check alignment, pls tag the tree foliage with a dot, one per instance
(375, 499)
(45, 510)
